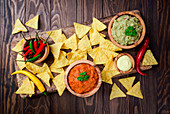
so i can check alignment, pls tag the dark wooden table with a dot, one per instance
(55, 14)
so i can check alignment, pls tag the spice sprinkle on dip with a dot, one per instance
(83, 78)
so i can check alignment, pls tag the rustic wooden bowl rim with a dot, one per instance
(45, 53)
(90, 92)
(142, 34)
(133, 63)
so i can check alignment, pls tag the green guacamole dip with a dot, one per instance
(124, 63)
(121, 24)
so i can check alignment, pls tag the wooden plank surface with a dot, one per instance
(68, 31)
(61, 13)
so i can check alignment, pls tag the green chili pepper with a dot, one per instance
(32, 59)
(31, 46)
(38, 44)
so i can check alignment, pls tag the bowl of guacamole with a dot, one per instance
(126, 30)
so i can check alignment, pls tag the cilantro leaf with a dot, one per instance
(83, 73)
(80, 78)
(86, 77)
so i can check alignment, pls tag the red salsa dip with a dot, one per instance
(83, 86)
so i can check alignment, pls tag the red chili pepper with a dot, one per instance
(140, 54)
(25, 48)
(26, 53)
(42, 45)
(35, 44)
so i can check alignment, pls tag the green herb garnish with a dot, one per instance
(130, 31)
(80, 78)
(86, 77)
(83, 76)
(83, 73)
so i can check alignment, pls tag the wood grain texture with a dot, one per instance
(60, 13)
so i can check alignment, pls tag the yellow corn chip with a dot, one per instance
(135, 91)
(55, 49)
(59, 83)
(107, 44)
(34, 68)
(109, 70)
(116, 92)
(106, 77)
(76, 55)
(149, 59)
(103, 35)
(127, 82)
(109, 52)
(99, 26)
(20, 64)
(100, 57)
(84, 44)
(57, 36)
(95, 37)
(26, 87)
(61, 61)
(70, 43)
(92, 52)
(33, 23)
(18, 46)
(33, 87)
(18, 27)
(81, 30)
(46, 68)
(56, 70)
(45, 77)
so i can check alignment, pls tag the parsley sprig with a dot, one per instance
(82, 76)
(130, 31)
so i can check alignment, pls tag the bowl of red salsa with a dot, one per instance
(83, 78)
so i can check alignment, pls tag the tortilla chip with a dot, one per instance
(18, 46)
(76, 55)
(109, 70)
(45, 77)
(107, 44)
(33, 87)
(33, 23)
(100, 57)
(61, 61)
(20, 64)
(46, 68)
(57, 36)
(92, 52)
(18, 27)
(55, 49)
(34, 68)
(59, 83)
(70, 43)
(95, 37)
(106, 78)
(25, 88)
(81, 30)
(149, 59)
(56, 70)
(103, 35)
(109, 52)
(116, 92)
(99, 26)
(84, 44)
(135, 91)
(127, 82)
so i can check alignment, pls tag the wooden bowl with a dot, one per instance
(142, 34)
(90, 92)
(133, 62)
(45, 53)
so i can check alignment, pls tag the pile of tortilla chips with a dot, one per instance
(131, 90)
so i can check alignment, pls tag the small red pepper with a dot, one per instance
(42, 45)
(35, 44)
(140, 54)
(26, 48)
(26, 53)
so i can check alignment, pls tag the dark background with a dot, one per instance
(55, 14)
